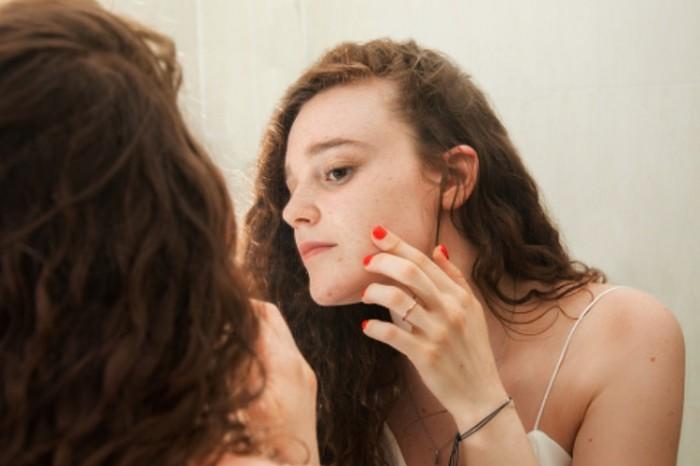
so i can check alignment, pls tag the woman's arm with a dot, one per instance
(635, 418)
(285, 413)
(448, 343)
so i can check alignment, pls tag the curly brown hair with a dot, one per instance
(126, 333)
(503, 218)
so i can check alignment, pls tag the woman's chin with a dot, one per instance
(334, 296)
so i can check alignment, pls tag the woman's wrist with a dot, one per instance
(503, 440)
(468, 416)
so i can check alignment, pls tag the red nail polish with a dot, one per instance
(443, 249)
(364, 324)
(367, 260)
(379, 232)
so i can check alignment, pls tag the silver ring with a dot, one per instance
(408, 310)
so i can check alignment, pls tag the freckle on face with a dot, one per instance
(377, 193)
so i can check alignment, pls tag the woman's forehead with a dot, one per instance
(355, 114)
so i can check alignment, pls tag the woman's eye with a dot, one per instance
(338, 174)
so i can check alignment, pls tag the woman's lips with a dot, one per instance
(311, 248)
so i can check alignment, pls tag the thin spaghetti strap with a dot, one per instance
(562, 355)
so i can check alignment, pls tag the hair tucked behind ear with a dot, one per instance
(126, 334)
(503, 219)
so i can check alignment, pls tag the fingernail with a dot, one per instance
(443, 249)
(364, 324)
(379, 232)
(367, 260)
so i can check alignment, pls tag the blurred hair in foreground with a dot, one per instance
(125, 329)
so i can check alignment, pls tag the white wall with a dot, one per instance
(601, 97)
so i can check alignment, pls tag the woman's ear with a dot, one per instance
(463, 169)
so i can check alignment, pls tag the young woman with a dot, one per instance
(126, 333)
(399, 232)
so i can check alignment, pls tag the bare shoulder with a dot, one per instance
(632, 321)
(636, 350)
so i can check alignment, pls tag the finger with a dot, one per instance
(400, 304)
(266, 330)
(259, 307)
(441, 259)
(465, 293)
(271, 315)
(392, 335)
(407, 274)
(387, 241)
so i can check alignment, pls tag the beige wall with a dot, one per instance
(601, 97)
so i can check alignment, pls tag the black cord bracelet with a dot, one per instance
(454, 456)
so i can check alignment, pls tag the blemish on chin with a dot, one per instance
(652, 359)
(324, 297)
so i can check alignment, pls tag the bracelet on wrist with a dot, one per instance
(454, 456)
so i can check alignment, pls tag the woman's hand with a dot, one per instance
(285, 413)
(448, 340)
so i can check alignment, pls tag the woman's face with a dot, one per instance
(352, 164)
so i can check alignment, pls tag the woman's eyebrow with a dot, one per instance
(333, 143)
(322, 146)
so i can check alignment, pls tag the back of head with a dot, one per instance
(123, 323)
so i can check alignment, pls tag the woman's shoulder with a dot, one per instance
(631, 354)
(629, 313)
(629, 325)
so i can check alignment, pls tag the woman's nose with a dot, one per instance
(301, 209)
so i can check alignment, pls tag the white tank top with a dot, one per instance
(547, 451)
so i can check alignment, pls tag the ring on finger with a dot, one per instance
(408, 310)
